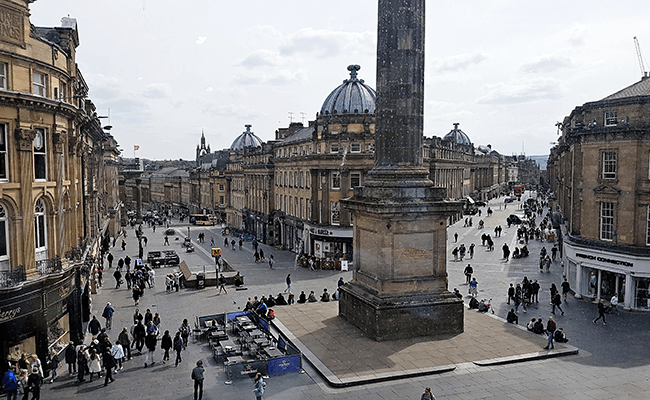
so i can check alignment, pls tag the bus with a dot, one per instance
(519, 190)
(203, 219)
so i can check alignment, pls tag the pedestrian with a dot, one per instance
(127, 262)
(232, 243)
(211, 241)
(150, 342)
(34, 382)
(550, 330)
(52, 364)
(139, 333)
(82, 364)
(166, 344)
(473, 287)
(94, 365)
(506, 252)
(10, 383)
(471, 251)
(311, 263)
(71, 358)
(152, 278)
(109, 364)
(123, 244)
(110, 259)
(468, 273)
(601, 312)
(197, 376)
(136, 293)
(288, 280)
(511, 293)
(271, 261)
(225, 243)
(257, 256)
(118, 278)
(166, 243)
(178, 347)
(125, 340)
(108, 315)
(261, 254)
(427, 395)
(222, 284)
(260, 385)
(566, 288)
(145, 240)
(185, 332)
(535, 288)
(94, 326)
(455, 237)
(556, 301)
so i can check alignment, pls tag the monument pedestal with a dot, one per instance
(402, 316)
(399, 287)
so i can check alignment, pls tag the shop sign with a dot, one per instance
(605, 260)
(19, 309)
(62, 292)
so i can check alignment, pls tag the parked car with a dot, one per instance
(163, 257)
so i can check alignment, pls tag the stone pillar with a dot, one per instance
(399, 286)
(25, 139)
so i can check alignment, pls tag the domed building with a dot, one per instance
(246, 139)
(353, 96)
(457, 136)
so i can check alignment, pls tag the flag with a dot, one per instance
(136, 147)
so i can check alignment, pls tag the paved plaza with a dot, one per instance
(611, 362)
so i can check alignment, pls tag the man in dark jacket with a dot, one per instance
(150, 341)
(94, 326)
(550, 331)
(197, 376)
(71, 358)
(125, 340)
(139, 333)
(109, 364)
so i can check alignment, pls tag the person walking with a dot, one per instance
(456, 237)
(118, 278)
(166, 344)
(71, 358)
(288, 289)
(185, 332)
(197, 376)
(125, 340)
(52, 364)
(566, 288)
(178, 347)
(108, 315)
(10, 383)
(260, 386)
(109, 364)
(427, 395)
(222, 284)
(473, 287)
(511, 293)
(556, 301)
(117, 352)
(468, 273)
(139, 334)
(550, 330)
(82, 364)
(261, 255)
(471, 251)
(150, 341)
(166, 242)
(506, 252)
(271, 261)
(34, 382)
(601, 312)
(110, 259)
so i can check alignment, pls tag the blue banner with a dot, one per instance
(283, 365)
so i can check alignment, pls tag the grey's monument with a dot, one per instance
(399, 287)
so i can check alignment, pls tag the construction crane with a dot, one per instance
(644, 73)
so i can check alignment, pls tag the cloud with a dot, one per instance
(209, 89)
(328, 43)
(201, 39)
(158, 91)
(458, 62)
(521, 92)
(216, 108)
(262, 58)
(269, 76)
(577, 36)
(547, 63)
(445, 111)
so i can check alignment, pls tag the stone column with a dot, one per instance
(399, 286)
(25, 139)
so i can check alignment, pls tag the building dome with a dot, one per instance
(457, 136)
(352, 97)
(246, 139)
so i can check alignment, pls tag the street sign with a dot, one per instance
(216, 251)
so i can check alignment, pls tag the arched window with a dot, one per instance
(40, 230)
(5, 265)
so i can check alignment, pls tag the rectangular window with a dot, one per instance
(40, 156)
(3, 152)
(336, 212)
(39, 84)
(308, 205)
(611, 118)
(607, 221)
(221, 187)
(355, 179)
(3, 76)
(221, 200)
(318, 148)
(336, 180)
(355, 148)
(302, 208)
(647, 230)
(609, 165)
(334, 148)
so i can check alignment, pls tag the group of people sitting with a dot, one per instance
(536, 325)
(480, 306)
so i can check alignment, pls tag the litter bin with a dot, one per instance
(200, 280)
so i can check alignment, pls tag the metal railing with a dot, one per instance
(12, 277)
(49, 266)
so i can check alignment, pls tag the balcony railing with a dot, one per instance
(49, 266)
(12, 277)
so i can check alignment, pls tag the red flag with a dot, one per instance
(136, 147)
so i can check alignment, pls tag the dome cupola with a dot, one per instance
(351, 97)
(246, 139)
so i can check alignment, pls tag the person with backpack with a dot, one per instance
(185, 332)
(178, 347)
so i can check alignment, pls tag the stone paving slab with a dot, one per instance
(345, 357)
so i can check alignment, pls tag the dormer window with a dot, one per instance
(611, 118)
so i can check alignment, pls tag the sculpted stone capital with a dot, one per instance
(73, 145)
(25, 138)
(58, 138)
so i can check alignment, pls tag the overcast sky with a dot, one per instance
(506, 70)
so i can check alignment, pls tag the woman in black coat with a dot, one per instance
(166, 344)
(82, 365)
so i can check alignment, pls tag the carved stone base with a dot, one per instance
(401, 316)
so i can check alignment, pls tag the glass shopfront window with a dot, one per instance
(58, 334)
(642, 294)
(589, 282)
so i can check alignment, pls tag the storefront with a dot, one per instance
(328, 242)
(40, 316)
(596, 274)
